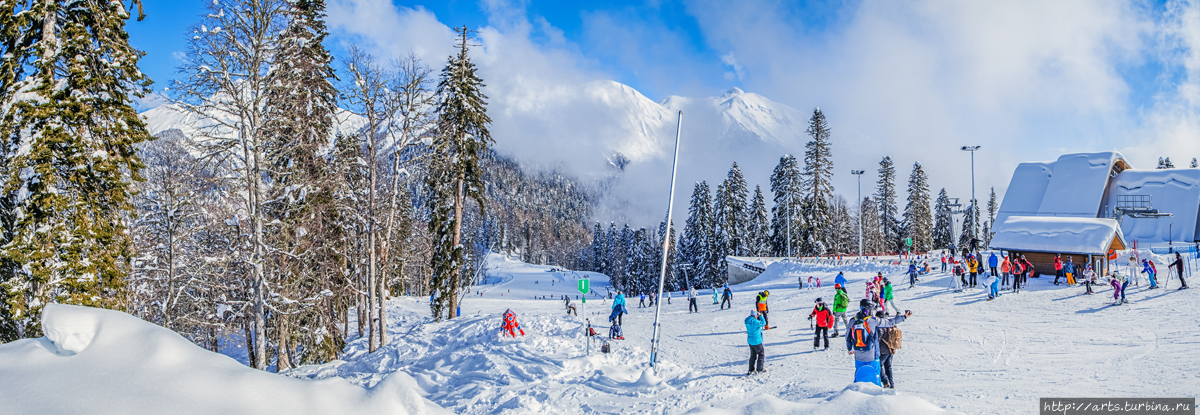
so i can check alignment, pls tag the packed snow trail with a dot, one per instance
(961, 352)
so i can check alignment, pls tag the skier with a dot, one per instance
(993, 286)
(570, 307)
(510, 323)
(824, 321)
(912, 274)
(760, 303)
(715, 294)
(1124, 285)
(641, 300)
(1112, 280)
(727, 298)
(888, 297)
(754, 337)
(1058, 268)
(993, 261)
(840, 279)
(841, 301)
(1005, 270)
(863, 341)
(1178, 264)
(692, 307)
(1069, 270)
(1148, 268)
(618, 308)
(974, 268)
(889, 342)
(943, 261)
(1089, 278)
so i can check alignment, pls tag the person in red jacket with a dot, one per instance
(824, 322)
(510, 323)
(1058, 268)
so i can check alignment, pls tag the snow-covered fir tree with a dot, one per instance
(696, 248)
(873, 242)
(817, 186)
(732, 215)
(918, 220)
(885, 200)
(943, 227)
(454, 176)
(785, 226)
(1194, 163)
(989, 225)
(599, 249)
(68, 79)
(844, 233)
(1165, 163)
(759, 234)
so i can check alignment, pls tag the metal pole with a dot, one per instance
(789, 224)
(662, 276)
(859, 173)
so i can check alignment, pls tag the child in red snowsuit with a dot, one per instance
(510, 323)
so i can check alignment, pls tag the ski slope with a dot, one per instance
(961, 354)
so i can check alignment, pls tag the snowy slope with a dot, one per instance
(961, 353)
(94, 361)
(748, 117)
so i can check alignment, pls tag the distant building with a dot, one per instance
(1088, 204)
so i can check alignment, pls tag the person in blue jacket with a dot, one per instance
(994, 262)
(754, 337)
(840, 279)
(618, 308)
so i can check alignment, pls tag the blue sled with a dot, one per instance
(867, 372)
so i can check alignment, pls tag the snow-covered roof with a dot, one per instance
(1073, 186)
(1175, 191)
(1057, 234)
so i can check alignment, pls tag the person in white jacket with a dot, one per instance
(692, 301)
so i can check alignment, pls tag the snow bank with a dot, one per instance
(97, 361)
(858, 398)
(825, 269)
(1056, 234)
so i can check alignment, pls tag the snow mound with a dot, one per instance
(858, 398)
(827, 269)
(108, 362)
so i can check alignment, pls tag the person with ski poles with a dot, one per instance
(889, 297)
(1178, 264)
(841, 301)
(824, 321)
(760, 304)
(1148, 269)
(692, 307)
(1089, 278)
(755, 324)
(727, 298)
(862, 341)
(912, 274)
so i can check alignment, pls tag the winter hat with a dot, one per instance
(818, 300)
(837, 285)
(754, 313)
(864, 303)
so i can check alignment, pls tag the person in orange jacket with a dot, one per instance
(760, 304)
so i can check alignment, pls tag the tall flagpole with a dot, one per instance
(662, 276)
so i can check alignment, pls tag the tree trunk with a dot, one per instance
(284, 361)
(458, 251)
(249, 343)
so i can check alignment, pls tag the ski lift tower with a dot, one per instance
(1138, 207)
(954, 208)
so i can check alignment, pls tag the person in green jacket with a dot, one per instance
(841, 301)
(888, 297)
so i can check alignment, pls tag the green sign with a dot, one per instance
(908, 241)
(585, 285)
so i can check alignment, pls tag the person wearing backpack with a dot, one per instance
(824, 321)
(758, 355)
(760, 305)
(618, 308)
(889, 343)
(841, 301)
(863, 341)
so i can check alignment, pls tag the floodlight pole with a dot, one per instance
(859, 173)
(972, 149)
(662, 276)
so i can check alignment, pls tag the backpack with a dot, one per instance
(891, 337)
(861, 335)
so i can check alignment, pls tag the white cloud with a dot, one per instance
(737, 71)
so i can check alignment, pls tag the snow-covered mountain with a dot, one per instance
(605, 131)
(173, 116)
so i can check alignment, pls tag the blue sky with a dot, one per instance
(914, 80)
